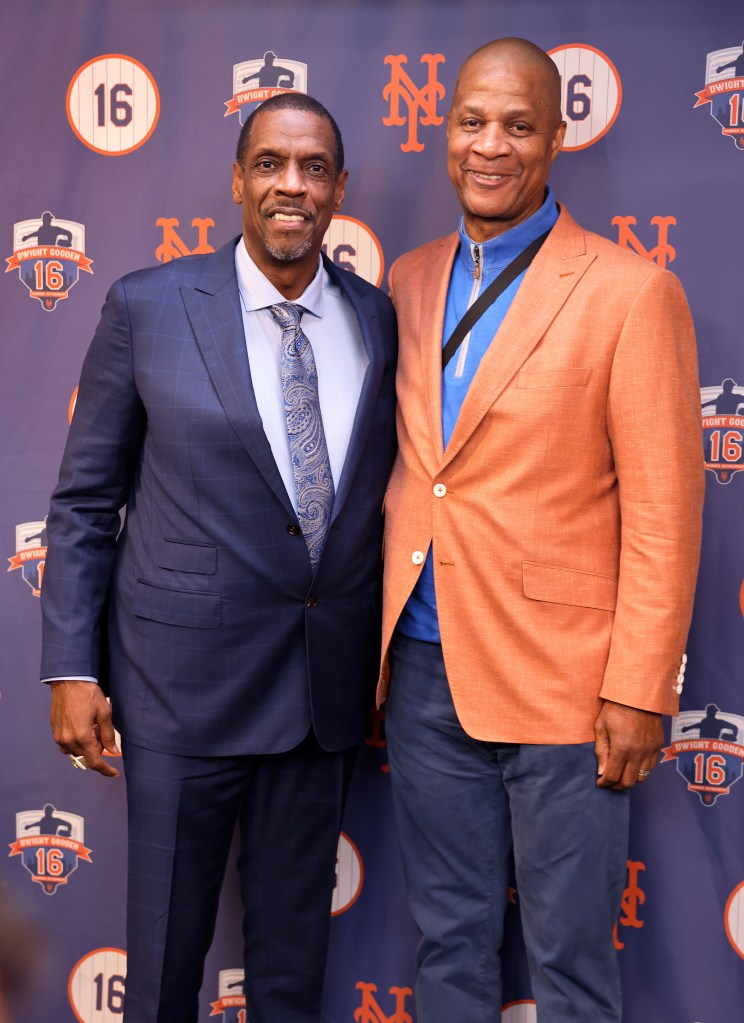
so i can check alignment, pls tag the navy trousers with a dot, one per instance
(182, 815)
(463, 807)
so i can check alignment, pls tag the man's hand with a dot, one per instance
(627, 745)
(81, 723)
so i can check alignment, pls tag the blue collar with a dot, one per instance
(498, 252)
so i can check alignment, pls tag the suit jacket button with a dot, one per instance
(293, 529)
(439, 490)
(417, 557)
(311, 601)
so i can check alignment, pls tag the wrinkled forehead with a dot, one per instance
(519, 82)
(292, 132)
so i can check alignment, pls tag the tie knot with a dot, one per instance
(287, 314)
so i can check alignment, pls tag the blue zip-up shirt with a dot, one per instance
(474, 268)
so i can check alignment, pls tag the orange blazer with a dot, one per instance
(565, 513)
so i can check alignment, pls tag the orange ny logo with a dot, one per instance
(370, 1012)
(421, 104)
(633, 898)
(662, 253)
(173, 244)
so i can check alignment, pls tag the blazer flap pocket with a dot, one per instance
(179, 556)
(177, 607)
(568, 586)
(565, 377)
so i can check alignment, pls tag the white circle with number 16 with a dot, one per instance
(591, 93)
(96, 986)
(113, 104)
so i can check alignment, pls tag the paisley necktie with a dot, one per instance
(307, 444)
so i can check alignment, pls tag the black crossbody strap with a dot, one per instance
(507, 276)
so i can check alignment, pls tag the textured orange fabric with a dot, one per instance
(566, 544)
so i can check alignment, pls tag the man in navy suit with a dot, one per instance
(241, 661)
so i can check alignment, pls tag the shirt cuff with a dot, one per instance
(66, 678)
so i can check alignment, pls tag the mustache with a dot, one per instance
(284, 207)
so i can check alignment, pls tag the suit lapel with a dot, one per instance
(369, 326)
(554, 273)
(213, 309)
(433, 303)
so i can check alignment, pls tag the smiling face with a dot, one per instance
(503, 132)
(289, 188)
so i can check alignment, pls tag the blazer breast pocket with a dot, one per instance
(182, 556)
(568, 586)
(191, 609)
(550, 378)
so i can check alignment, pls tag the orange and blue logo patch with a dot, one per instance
(261, 78)
(709, 750)
(48, 254)
(724, 91)
(723, 429)
(50, 844)
(230, 1003)
(30, 553)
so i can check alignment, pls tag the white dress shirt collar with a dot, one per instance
(257, 291)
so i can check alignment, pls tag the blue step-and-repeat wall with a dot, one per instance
(118, 125)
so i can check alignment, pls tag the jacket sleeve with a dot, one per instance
(655, 429)
(83, 522)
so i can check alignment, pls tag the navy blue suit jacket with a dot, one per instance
(219, 638)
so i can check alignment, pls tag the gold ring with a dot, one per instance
(79, 762)
(643, 774)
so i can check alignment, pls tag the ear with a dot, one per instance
(558, 137)
(340, 190)
(237, 184)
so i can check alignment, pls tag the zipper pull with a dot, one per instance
(476, 261)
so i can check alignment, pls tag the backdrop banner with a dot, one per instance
(119, 123)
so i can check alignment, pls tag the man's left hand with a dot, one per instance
(627, 745)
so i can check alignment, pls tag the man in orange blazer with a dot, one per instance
(542, 543)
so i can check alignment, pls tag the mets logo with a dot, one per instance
(724, 90)
(662, 253)
(173, 246)
(723, 423)
(51, 265)
(370, 1011)
(420, 103)
(230, 1003)
(376, 737)
(257, 80)
(633, 898)
(30, 555)
(711, 759)
(52, 850)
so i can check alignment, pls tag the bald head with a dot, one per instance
(523, 55)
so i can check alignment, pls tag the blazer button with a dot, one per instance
(311, 601)
(439, 490)
(417, 557)
(293, 529)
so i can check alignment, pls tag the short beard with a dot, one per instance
(289, 255)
